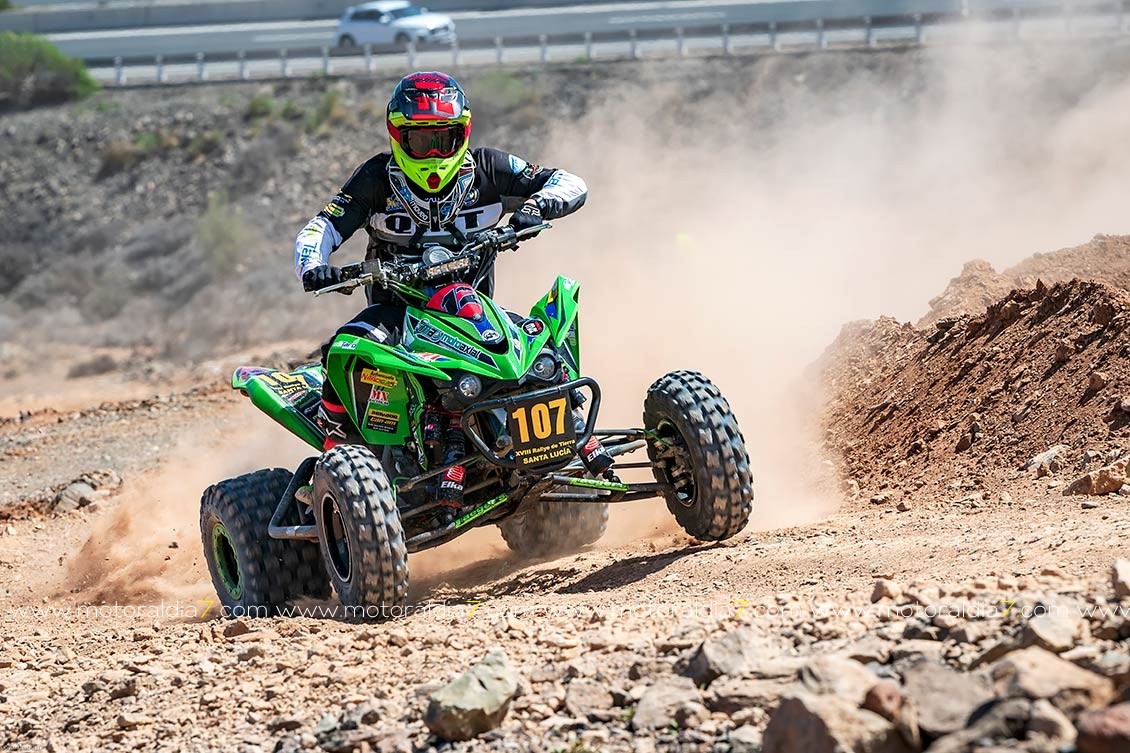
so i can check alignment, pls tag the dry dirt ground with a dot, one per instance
(950, 597)
(110, 640)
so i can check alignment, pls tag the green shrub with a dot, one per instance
(205, 143)
(223, 234)
(291, 111)
(505, 89)
(34, 72)
(260, 106)
(331, 111)
(5, 5)
(119, 155)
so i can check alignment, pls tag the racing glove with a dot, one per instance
(526, 216)
(320, 277)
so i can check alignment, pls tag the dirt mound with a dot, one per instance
(965, 406)
(1104, 257)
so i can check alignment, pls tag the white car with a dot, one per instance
(393, 22)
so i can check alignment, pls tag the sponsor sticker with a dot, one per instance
(378, 396)
(533, 327)
(333, 210)
(378, 378)
(382, 420)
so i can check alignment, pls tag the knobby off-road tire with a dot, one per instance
(695, 445)
(256, 575)
(362, 539)
(552, 528)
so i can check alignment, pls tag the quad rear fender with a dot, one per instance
(377, 385)
(283, 396)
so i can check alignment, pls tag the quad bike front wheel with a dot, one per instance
(255, 575)
(695, 446)
(552, 528)
(360, 533)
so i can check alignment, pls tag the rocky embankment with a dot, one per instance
(1031, 395)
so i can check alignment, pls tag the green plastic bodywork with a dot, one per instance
(387, 409)
(279, 394)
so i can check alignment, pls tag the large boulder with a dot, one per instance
(1104, 730)
(943, 697)
(730, 695)
(1036, 673)
(1105, 480)
(739, 653)
(827, 724)
(1004, 719)
(476, 701)
(1120, 578)
(839, 676)
(660, 702)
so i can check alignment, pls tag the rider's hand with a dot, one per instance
(320, 277)
(526, 216)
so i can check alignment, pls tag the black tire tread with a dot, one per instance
(365, 494)
(553, 528)
(272, 571)
(722, 474)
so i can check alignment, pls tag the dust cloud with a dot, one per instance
(733, 226)
(146, 548)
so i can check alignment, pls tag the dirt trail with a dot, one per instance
(147, 668)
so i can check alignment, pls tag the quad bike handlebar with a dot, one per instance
(436, 262)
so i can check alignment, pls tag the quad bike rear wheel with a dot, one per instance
(360, 533)
(551, 528)
(695, 446)
(254, 574)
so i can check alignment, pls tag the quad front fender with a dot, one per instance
(559, 310)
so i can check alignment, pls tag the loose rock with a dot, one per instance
(1105, 730)
(826, 724)
(476, 701)
(1035, 673)
(660, 701)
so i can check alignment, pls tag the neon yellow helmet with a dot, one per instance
(429, 127)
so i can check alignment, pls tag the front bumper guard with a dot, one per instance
(557, 390)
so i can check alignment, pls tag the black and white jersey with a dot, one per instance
(379, 198)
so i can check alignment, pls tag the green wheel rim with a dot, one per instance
(227, 566)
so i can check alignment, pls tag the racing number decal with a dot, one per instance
(542, 431)
(542, 424)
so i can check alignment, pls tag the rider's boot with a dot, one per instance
(449, 492)
(332, 417)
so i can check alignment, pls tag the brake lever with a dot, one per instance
(366, 279)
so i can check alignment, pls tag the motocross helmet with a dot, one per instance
(429, 126)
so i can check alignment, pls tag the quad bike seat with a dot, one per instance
(289, 397)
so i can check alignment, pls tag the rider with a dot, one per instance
(432, 188)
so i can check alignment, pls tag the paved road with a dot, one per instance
(474, 26)
(1084, 29)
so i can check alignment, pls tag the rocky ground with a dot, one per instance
(969, 591)
(982, 610)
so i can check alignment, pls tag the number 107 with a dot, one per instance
(545, 419)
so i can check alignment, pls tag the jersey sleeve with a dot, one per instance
(347, 211)
(556, 191)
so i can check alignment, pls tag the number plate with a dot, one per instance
(542, 431)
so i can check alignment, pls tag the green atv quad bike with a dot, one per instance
(350, 516)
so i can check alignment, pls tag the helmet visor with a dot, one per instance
(432, 142)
